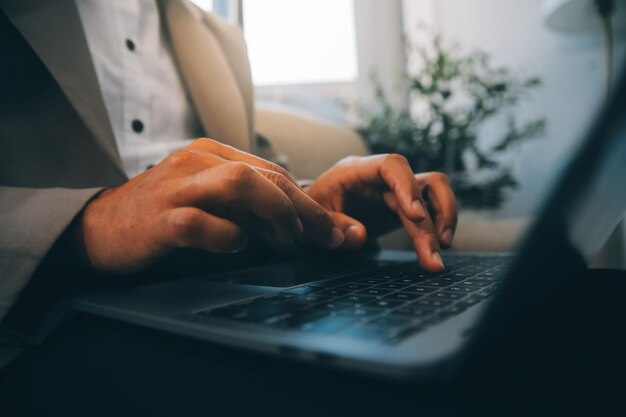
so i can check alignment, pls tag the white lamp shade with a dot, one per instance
(579, 15)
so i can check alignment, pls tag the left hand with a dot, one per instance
(376, 193)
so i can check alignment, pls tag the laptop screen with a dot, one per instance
(590, 198)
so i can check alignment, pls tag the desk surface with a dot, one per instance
(93, 366)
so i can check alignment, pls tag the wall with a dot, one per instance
(571, 67)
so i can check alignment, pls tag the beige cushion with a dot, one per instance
(476, 232)
(311, 145)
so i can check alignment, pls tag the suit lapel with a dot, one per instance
(53, 30)
(209, 77)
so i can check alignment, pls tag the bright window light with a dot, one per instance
(207, 5)
(300, 41)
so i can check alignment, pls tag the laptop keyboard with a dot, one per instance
(386, 305)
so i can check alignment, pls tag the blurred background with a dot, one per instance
(495, 93)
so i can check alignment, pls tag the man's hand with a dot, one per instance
(376, 193)
(206, 196)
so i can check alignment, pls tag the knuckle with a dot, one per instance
(184, 223)
(281, 171)
(238, 173)
(438, 176)
(206, 143)
(271, 166)
(278, 179)
(178, 158)
(349, 159)
(395, 158)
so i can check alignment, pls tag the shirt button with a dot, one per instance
(130, 45)
(137, 126)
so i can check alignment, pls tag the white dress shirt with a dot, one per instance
(147, 104)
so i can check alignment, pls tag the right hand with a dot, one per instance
(204, 196)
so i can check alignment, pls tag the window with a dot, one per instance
(207, 5)
(300, 41)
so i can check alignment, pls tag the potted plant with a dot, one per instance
(452, 95)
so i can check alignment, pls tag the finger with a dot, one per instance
(190, 227)
(394, 171)
(425, 242)
(238, 185)
(209, 146)
(318, 226)
(443, 202)
(354, 231)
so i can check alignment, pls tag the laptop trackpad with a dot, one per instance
(299, 272)
(172, 297)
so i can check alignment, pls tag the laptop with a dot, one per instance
(383, 314)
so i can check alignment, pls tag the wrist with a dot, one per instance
(73, 243)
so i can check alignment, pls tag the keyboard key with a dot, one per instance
(446, 295)
(392, 275)
(434, 283)
(355, 299)
(419, 289)
(470, 301)
(414, 311)
(334, 292)
(311, 299)
(464, 290)
(456, 276)
(384, 303)
(354, 287)
(402, 296)
(407, 280)
(486, 292)
(450, 280)
(473, 284)
(374, 291)
(486, 278)
(429, 302)
(438, 282)
(371, 281)
(392, 286)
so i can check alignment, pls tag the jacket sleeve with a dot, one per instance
(31, 220)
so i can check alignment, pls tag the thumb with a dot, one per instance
(354, 231)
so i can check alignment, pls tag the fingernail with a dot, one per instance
(419, 208)
(437, 258)
(446, 236)
(299, 227)
(337, 238)
(351, 231)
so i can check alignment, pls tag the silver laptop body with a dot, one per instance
(586, 204)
